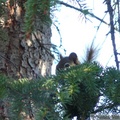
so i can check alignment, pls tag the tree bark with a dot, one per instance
(22, 56)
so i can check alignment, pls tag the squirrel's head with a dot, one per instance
(68, 61)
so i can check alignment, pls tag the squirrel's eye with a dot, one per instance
(66, 65)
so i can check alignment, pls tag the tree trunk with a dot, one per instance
(22, 56)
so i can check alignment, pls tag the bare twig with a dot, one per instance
(112, 31)
(86, 12)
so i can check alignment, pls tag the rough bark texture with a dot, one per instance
(21, 56)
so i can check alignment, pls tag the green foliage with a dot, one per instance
(37, 9)
(31, 96)
(112, 84)
(72, 92)
(2, 5)
(83, 85)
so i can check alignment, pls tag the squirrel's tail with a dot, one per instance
(91, 53)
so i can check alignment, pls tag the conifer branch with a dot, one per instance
(85, 12)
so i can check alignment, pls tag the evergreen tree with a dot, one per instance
(27, 89)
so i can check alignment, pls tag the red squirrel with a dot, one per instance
(72, 59)
(68, 61)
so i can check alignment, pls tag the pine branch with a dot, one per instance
(101, 108)
(86, 12)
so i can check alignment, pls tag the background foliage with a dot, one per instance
(72, 92)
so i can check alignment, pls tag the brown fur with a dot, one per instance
(70, 60)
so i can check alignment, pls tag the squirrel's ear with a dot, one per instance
(73, 57)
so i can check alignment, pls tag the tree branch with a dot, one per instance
(101, 108)
(86, 12)
(112, 31)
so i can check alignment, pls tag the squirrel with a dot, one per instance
(68, 61)
(72, 59)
